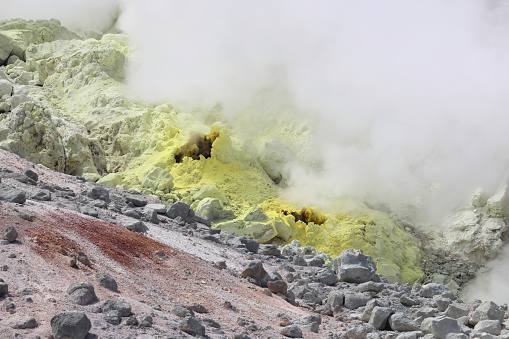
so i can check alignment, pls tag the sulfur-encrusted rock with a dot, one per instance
(158, 179)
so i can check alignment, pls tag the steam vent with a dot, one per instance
(185, 190)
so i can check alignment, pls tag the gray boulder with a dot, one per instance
(178, 209)
(107, 281)
(355, 267)
(10, 234)
(42, 195)
(370, 286)
(292, 331)
(81, 293)
(379, 317)
(15, 196)
(159, 208)
(99, 193)
(402, 323)
(440, 326)
(192, 326)
(255, 270)
(112, 317)
(457, 310)
(268, 250)
(278, 286)
(150, 216)
(357, 331)
(335, 298)
(4, 288)
(136, 200)
(326, 276)
(488, 310)
(137, 226)
(432, 289)
(31, 174)
(356, 300)
(123, 308)
(489, 326)
(70, 325)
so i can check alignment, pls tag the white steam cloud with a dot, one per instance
(76, 14)
(409, 98)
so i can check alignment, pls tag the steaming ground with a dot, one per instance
(404, 103)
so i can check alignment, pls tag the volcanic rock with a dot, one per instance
(70, 325)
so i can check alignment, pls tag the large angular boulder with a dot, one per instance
(70, 325)
(440, 326)
(488, 310)
(355, 266)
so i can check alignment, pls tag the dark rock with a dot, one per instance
(178, 209)
(42, 195)
(150, 216)
(159, 208)
(88, 210)
(81, 293)
(251, 245)
(278, 286)
(440, 326)
(292, 331)
(371, 286)
(182, 312)
(355, 267)
(23, 179)
(137, 226)
(254, 269)
(335, 298)
(211, 323)
(379, 317)
(326, 276)
(107, 281)
(202, 220)
(83, 258)
(112, 317)
(192, 326)
(131, 320)
(315, 262)
(198, 308)
(357, 331)
(10, 234)
(70, 325)
(146, 321)
(99, 193)
(356, 300)
(25, 324)
(268, 250)
(132, 213)
(15, 196)
(136, 200)
(299, 261)
(402, 323)
(123, 308)
(488, 310)
(407, 300)
(31, 174)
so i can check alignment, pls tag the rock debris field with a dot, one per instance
(82, 260)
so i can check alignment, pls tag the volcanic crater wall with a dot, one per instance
(65, 107)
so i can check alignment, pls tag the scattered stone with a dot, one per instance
(132, 213)
(29, 323)
(440, 326)
(9, 306)
(221, 264)
(131, 320)
(278, 286)
(10, 234)
(99, 193)
(178, 209)
(123, 308)
(326, 276)
(315, 262)
(355, 267)
(292, 331)
(198, 308)
(89, 210)
(457, 310)
(42, 195)
(14, 196)
(211, 323)
(356, 300)
(158, 208)
(268, 250)
(432, 289)
(81, 293)
(254, 269)
(407, 300)
(31, 174)
(70, 325)
(150, 216)
(112, 317)
(192, 326)
(379, 317)
(182, 312)
(83, 258)
(488, 310)
(107, 281)
(489, 326)
(357, 331)
(72, 261)
(402, 323)
(335, 299)
(137, 226)
(146, 321)
(370, 286)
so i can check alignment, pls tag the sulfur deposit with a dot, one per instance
(65, 107)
